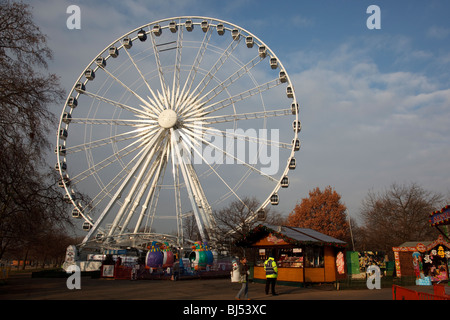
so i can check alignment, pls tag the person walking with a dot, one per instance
(243, 279)
(271, 269)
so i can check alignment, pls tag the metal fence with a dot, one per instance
(401, 293)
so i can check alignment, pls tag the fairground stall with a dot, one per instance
(428, 261)
(302, 255)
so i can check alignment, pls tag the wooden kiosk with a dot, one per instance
(302, 255)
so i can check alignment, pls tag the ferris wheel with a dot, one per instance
(171, 121)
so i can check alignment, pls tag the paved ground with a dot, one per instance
(23, 287)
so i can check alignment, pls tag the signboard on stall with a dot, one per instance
(340, 263)
(108, 271)
(441, 217)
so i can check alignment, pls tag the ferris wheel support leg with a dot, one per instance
(156, 167)
(110, 204)
(202, 204)
(188, 186)
(136, 184)
(147, 200)
(176, 182)
(205, 210)
(116, 195)
(188, 145)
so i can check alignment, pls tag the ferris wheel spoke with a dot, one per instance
(116, 104)
(239, 136)
(216, 67)
(177, 67)
(241, 116)
(159, 66)
(106, 192)
(226, 154)
(115, 181)
(140, 134)
(145, 81)
(232, 100)
(126, 87)
(97, 167)
(237, 186)
(210, 75)
(197, 62)
(117, 122)
(245, 69)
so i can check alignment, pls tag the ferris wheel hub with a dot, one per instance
(167, 119)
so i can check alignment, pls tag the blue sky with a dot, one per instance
(375, 104)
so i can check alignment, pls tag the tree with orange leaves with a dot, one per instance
(323, 212)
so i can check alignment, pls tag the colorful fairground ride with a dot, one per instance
(161, 256)
(160, 261)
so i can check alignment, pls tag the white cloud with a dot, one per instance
(301, 21)
(363, 127)
(437, 32)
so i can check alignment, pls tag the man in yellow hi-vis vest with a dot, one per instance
(271, 269)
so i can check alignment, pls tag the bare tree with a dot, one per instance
(190, 229)
(397, 215)
(235, 220)
(30, 201)
(25, 91)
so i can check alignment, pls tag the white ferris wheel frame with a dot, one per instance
(180, 98)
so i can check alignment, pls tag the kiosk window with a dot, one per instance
(285, 257)
(314, 257)
(291, 258)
